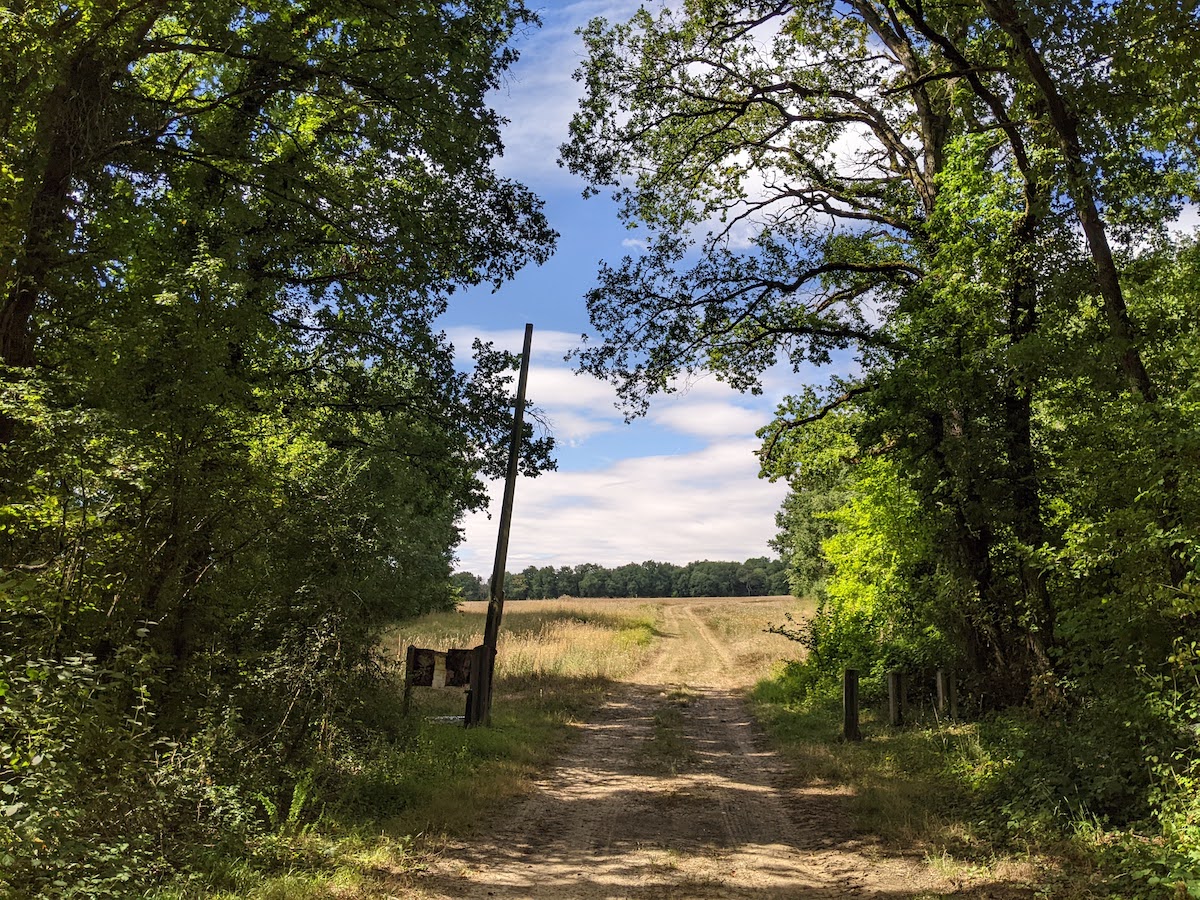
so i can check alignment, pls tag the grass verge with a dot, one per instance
(668, 749)
(918, 790)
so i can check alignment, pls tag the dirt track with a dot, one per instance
(724, 819)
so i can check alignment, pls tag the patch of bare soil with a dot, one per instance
(724, 819)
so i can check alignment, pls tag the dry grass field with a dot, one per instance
(739, 624)
(589, 642)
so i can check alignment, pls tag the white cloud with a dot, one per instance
(647, 504)
(703, 505)
(575, 406)
(1188, 221)
(573, 428)
(561, 386)
(709, 419)
(545, 344)
(578, 406)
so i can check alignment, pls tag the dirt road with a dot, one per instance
(670, 793)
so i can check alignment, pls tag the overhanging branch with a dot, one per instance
(833, 405)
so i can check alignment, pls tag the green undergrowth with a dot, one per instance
(360, 824)
(998, 801)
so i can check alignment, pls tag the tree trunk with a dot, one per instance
(1066, 128)
(68, 135)
(1025, 495)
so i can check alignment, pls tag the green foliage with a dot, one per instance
(1173, 698)
(469, 587)
(234, 445)
(1043, 775)
(805, 523)
(91, 787)
(879, 608)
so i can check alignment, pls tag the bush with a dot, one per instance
(88, 793)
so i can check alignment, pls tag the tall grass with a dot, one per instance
(603, 639)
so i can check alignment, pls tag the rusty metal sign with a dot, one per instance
(437, 668)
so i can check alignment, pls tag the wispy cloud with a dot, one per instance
(709, 419)
(1188, 221)
(539, 95)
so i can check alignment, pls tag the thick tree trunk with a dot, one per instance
(47, 226)
(1079, 183)
(1024, 491)
(1029, 528)
(43, 235)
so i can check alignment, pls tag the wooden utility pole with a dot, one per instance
(480, 709)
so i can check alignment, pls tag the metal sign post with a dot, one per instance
(480, 709)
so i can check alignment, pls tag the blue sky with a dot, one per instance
(678, 485)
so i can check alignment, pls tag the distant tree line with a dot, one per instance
(753, 578)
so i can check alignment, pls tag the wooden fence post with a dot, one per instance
(947, 694)
(479, 693)
(410, 658)
(896, 704)
(850, 731)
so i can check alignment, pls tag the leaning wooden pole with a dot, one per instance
(481, 693)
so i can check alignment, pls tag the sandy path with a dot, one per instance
(610, 821)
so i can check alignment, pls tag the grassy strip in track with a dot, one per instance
(668, 750)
